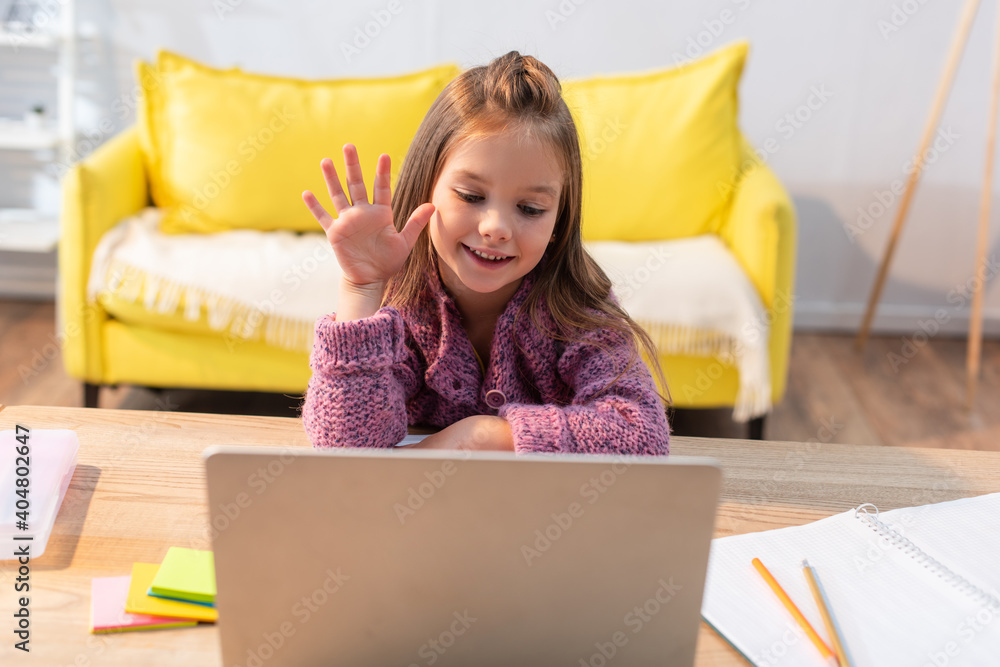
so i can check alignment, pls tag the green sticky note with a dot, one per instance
(186, 574)
(138, 602)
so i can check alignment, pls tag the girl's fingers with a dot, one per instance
(322, 217)
(355, 179)
(383, 191)
(411, 230)
(337, 195)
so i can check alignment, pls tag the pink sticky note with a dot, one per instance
(107, 609)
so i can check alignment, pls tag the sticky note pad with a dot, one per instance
(186, 574)
(140, 603)
(107, 609)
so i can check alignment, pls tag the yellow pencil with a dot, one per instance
(827, 611)
(790, 606)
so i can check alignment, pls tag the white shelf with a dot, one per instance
(28, 275)
(29, 239)
(17, 135)
(26, 230)
(37, 40)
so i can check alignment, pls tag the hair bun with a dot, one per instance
(522, 83)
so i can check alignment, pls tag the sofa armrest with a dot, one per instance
(98, 192)
(761, 232)
(760, 229)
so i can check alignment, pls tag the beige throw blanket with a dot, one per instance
(690, 294)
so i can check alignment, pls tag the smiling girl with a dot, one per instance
(493, 323)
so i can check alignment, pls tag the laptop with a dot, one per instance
(425, 557)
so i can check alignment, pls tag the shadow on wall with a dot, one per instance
(838, 258)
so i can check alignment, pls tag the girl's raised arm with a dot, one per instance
(369, 250)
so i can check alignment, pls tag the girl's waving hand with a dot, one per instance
(369, 250)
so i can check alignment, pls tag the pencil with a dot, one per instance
(790, 606)
(826, 609)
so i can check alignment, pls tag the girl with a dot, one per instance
(494, 324)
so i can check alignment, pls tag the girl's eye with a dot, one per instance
(529, 211)
(466, 197)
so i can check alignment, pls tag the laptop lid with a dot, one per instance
(425, 557)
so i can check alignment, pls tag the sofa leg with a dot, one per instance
(755, 430)
(91, 393)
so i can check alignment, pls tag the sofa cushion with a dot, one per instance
(226, 149)
(270, 287)
(660, 149)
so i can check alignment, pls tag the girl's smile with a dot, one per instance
(496, 202)
(488, 258)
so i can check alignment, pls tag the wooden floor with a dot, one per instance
(835, 394)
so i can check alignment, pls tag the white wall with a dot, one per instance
(878, 78)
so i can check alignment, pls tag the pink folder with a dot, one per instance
(48, 468)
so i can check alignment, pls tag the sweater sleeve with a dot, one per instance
(363, 373)
(626, 417)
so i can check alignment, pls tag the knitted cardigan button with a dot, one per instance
(495, 399)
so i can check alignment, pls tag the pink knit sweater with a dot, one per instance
(372, 377)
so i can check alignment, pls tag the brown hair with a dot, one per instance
(519, 94)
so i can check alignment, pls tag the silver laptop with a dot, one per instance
(419, 557)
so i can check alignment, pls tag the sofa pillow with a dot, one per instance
(226, 149)
(660, 149)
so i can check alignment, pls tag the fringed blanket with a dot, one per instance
(693, 298)
(690, 294)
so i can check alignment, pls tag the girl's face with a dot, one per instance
(497, 196)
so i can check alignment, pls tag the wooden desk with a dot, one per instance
(139, 488)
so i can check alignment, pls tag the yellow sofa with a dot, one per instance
(753, 216)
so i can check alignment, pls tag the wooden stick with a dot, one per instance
(957, 47)
(975, 345)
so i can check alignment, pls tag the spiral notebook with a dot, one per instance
(913, 586)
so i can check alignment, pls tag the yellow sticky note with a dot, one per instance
(139, 602)
(186, 574)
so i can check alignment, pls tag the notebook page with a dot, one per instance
(891, 611)
(410, 440)
(962, 534)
